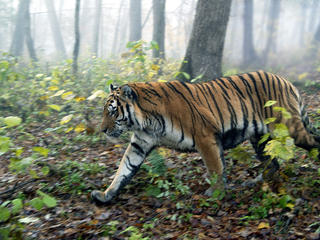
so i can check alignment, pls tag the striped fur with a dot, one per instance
(206, 117)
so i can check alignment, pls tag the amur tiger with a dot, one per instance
(208, 117)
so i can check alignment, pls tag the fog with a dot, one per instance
(294, 31)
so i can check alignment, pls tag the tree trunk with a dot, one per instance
(135, 20)
(97, 21)
(313, 15)
(17, 43)
(249, 54)
(116, 31)
(29, 40)
(204, 53)
(55, 27)
(274, 12)
(77, 38)
(159, 28)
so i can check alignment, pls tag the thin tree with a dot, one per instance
(204, 52)
(159, 28)
(117, 28)
(97, 21)
(249, 53)
(55, 27)
(273, 21)
(135, 20)
(29, 40)
(17, 42)
(77, 38)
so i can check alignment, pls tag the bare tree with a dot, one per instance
(135, 20)
(29, 40)
(249, 53)
(77, 38)
(55, 27)
(205, 47)
(117, 28)
(17, 43)
(159, 28)
(97, 20)
(22, 31)
(273, 21)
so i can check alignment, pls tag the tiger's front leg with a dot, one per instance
(131, 161)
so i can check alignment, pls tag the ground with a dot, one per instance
(166, 203)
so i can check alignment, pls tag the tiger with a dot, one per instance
(208, 117)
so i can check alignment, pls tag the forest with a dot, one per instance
(58, 61)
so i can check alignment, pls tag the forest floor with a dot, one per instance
(171, 205)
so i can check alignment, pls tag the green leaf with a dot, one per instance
(33, 173)
(5, 143)
(37, 203)
(270, 103)
(17, 205)
(264, 138)
(43, 151)
(55, 107)
(47, 200)
(4, 233)
(45, 170)
(269, 120)
(154, 45)
(4, 214)
(12, 121)
(186, 75)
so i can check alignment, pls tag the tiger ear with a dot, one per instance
(127, 92)
(112, 87)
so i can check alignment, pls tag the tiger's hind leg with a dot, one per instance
(302, 137)
(270, 167)
(212, 155)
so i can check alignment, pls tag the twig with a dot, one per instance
(15, 188)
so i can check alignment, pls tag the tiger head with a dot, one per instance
(116, 113)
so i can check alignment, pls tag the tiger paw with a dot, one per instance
(101, 197)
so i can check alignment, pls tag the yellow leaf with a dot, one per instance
(68, 95)
(96, 94)
(53, 88)
(150, 74)
(66, 119)
(162, 80)
(46, 113)
(39, 75)
(118, 145)
(80, 128)
(282, 191)
(58, 93)
(80, 99)
(302, 76)
(68, 130)
(55, 107)
(42, 98)
(155, 67)
(290, 205)
(263, 225)
(55, 81)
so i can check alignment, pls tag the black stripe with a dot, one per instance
(136, 146)
(235, 86)
(262, 82)
(148, 100)
(186, 87)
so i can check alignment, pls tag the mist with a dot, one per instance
(292, 37)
